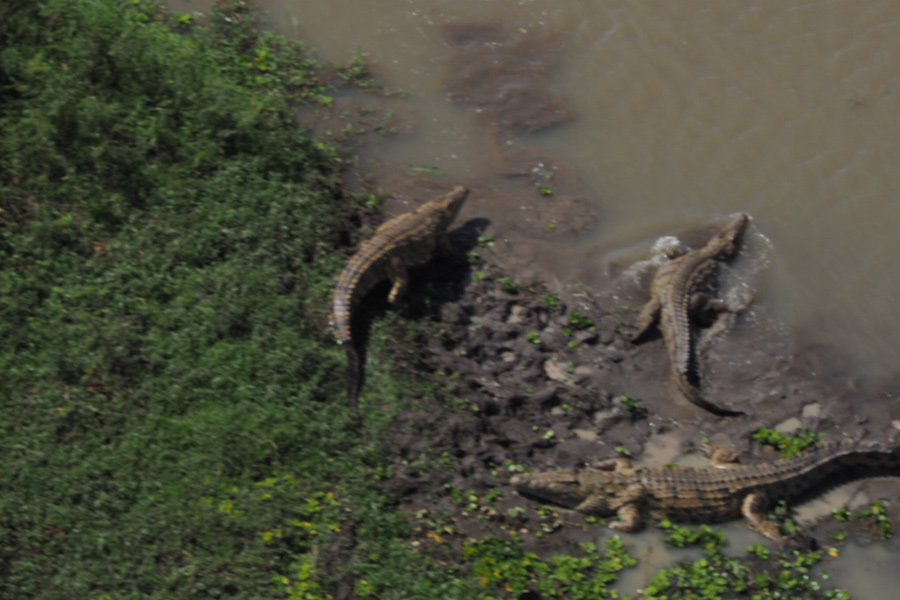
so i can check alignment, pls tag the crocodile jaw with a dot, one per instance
(562, 488)
(450, 203)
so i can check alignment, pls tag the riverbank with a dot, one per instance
(173, 400)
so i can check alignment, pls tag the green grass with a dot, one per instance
(173, 417)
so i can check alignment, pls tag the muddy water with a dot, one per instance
(673, 113)
(655, 117)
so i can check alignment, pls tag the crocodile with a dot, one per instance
(408, 240)
(703, 495)
(681, 293)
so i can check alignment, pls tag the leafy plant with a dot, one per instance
(715, 575)
(879, 512)
(579, 321)
(628, 403)
(790, 445)
(508, 285)
(503, 568)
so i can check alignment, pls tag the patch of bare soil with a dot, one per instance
(535, 381)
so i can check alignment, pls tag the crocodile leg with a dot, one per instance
(629, 513)
(754, 510)
(705, 308)
(631, 519)
(399, 274)
(647, 319)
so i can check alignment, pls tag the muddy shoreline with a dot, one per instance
(525, 385)
(536, 375)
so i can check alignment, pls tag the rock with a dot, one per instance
(516, 315)
(587, 435)
(811, 411)
(590, 337)
(556, 371)
(788, 426)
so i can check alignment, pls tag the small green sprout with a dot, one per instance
(879, 511)
(579, 321)
(508, 285)
(627, 402)
(842, 514)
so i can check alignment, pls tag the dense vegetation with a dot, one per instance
(169, 420)
(172, 421)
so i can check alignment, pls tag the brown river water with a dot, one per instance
(650, 118)
(676, 113)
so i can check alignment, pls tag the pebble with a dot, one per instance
(556, 370)
(812, 411)
(788, 426)
(588, 435)
(516, 315)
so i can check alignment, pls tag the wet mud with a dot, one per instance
(535, 379)
(535, 376)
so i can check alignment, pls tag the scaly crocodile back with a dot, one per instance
(405, 241)
(715, 494)
(704, 494)
(674, 286)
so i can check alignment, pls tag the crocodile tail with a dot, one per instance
(355, 376)
(692, 393)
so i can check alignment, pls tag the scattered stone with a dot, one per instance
(588, 337)
(556, 371)
(544, 396)
(516, 315)
(587, 435)
(606, 336)
(812, 411)
(517, 405)
(788, 426)
(604, 419)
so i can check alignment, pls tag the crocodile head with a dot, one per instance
(565, 488)
(449, 204)
(559, 487)
(724, 244)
